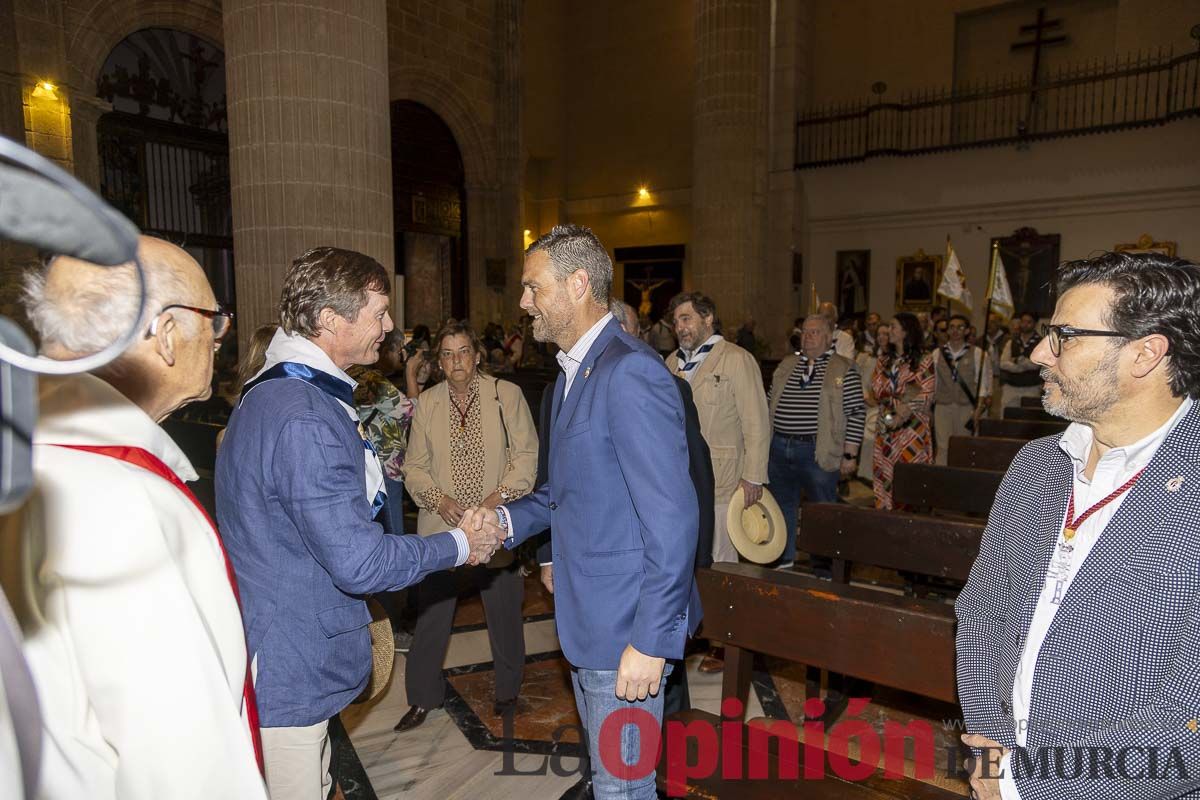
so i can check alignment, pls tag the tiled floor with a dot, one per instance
(443, 760)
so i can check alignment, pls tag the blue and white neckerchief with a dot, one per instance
(687, 364)
(292, 357)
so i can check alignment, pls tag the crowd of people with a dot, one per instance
(177, 655)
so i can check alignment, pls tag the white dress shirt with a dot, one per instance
(1113, 469)
(571, 360)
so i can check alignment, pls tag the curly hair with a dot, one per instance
(1152, 294)
(701, 302)
(328, 277)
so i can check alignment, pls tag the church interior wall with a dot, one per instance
(912, 47)
(1096, 192)
(607, 108)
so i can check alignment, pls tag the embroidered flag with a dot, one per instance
(954, 282)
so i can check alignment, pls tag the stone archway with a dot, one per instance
(92, 29)
(492, 195)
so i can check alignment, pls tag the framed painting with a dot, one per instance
(1146, 244)
(917, 276)
(853, 282)
(1030, 260)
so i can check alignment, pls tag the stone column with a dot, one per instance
(494, 211)
(727, 259)
(85, 146)
(309, 139)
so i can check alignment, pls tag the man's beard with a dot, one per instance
(1085, 402)
(547, 330)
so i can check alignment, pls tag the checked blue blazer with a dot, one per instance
(1119, 667)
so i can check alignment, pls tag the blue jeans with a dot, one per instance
(792, 469)
(596, 698)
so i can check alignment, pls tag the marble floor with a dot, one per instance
(459, 752)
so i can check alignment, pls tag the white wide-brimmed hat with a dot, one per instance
(758, 532)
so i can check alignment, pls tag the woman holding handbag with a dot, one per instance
(472, 442)
(902, 384)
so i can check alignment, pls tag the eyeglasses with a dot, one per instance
(221, 319)
(1057, 334)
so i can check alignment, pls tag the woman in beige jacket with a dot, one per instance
(472, 443)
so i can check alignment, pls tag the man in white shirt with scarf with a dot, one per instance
(298, 487)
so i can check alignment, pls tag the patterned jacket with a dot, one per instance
(1118, 668)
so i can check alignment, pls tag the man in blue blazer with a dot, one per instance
(298, 486)
(1079, 626)
(620, 499)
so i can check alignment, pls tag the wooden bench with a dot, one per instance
(941, 547)
(902, 642)
(1038, 414)
(1031, 402)
(955, 490)
(1020, 428)
(983, 452)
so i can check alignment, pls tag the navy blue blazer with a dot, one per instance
(623, 507)
(1117, 670)
(293, 512)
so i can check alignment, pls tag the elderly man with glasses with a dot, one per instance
(126, 601)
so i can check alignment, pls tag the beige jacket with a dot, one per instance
(427, 461)
(728, 391)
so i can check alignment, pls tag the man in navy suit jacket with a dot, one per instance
(621, 502)
(1079, 626)
(297, 488)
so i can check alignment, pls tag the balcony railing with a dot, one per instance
(1136, 91)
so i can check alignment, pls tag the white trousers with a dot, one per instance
(297, 762)
(723, 550)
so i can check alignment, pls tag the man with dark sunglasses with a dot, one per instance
(1078, 627)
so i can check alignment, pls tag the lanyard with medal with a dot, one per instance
(1060, 564)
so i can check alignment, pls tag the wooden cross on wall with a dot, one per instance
(1040, 40)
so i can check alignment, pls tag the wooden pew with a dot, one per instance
(939, 547)
(957, 490)
(1031, 402)
(983, 452)
(901, 642)
(1039, 414)
(1020, 428)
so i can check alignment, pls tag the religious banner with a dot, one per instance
(1030, 260)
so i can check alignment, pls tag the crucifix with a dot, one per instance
(1040, 40)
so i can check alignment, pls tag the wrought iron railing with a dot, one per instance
(171, 180)
(1139, 90)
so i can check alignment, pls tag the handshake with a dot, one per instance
(484, 534)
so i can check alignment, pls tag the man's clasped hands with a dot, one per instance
(484, 534)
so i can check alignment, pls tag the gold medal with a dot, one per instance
(1068, 533)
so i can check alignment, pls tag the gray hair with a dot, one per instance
(573, 247)
(624, 312)
(96, 312)
(822, 318)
